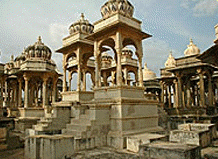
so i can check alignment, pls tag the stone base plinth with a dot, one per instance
(118, 92)
(200, 127)
(134, 141)
(77, 96)
(21, 124)
(49, 147)
(36, 112)
(166, 150)
(200, 138)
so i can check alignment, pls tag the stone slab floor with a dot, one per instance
(100, 153)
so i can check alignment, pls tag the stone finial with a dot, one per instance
(192, 49)
(82, 17)
(171, 62)
(12, 57)
(146, 65)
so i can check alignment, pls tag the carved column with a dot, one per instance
(202, 91)
(105, 79)
(179, 91)
(79, 70)
(140, 55)
(175, 105)
(162, 91)
(70, 80)
(210, 90)
(188, 91)
(19, 92)
(54, 91)
(2, 83)
(26, 92)
(169, 96)
(97, 67)
(119, 53)
(44, 91)
(64, 80)
(84, 80)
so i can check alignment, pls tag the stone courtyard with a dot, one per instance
(128, 112)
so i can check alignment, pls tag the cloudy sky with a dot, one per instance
(171, 23)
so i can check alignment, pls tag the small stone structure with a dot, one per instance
(199, 127)
(49, 147)
(200, 138)
(134, 141)
(195, 134)
(166, 150)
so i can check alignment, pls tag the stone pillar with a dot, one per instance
(70, 80)
(125, 76)
(54, 90)
(26, 92)
(97, 67)
(175, 105)
(113, 78)
(2, 83)
(179, 91)
(202, 91)
(140, 55)
(169, 96)
(44, 91)
(162, 91)
(188, 91)
(210, 90)
(79, 71)
(84, 80)
(119, 53)
(19, 92)
(105, 79)
(64, 80)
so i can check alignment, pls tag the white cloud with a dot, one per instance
(156, 52)
(57, 31)
(201, 8)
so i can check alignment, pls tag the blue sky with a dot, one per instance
(171, 23)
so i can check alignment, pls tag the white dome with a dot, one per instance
(171, 62)
(111, 7)
(82, 26)
(148, 74)
(192, 49)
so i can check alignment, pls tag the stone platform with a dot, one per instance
(166, 150)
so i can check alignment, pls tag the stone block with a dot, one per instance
(49, 147)
(3, 133)
(199, 127)
(134, 141)
(167, 150)
(200, 138)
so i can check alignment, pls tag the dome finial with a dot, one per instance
(171, 62)
(82, 17)
(146, 65)
(192, 49)
(39, 39)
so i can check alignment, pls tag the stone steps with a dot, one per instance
(76, 134)
(81, 121)
(78, 127)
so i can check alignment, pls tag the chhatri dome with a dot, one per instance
(192, 49)
(171, 62)
(111, 7)
(81, 26)
(148, 74)
(38, 51)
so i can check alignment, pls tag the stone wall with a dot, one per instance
(200, 138)
(49, 147)
(166, 150)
